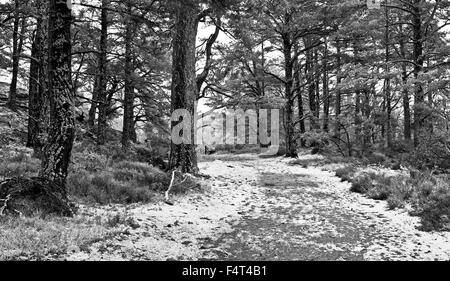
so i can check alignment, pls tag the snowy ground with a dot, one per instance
(266, 209)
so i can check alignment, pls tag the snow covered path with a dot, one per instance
(266, 209)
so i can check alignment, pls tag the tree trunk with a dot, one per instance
(326, 91)
(420, 132)
(102, 81)
(358, 106)
(311, 87)
(183, 155)
(358, 120)
(366, 106)
(291, 147)
(298, 92)
(58, 150)
(94, 101)
(406, 102)
(317, 87)
(36, 101)
(337, 104)
(128, 100)
(12, 99)
(387, 85)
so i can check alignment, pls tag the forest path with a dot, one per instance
(295, 213)
(267, 209)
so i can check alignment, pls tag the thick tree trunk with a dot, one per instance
(128, 132)
(58, 150)
(102, 82)
(183, 156)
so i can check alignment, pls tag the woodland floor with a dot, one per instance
(266, 209)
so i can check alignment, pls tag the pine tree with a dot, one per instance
(57, 152)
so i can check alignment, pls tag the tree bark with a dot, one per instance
(311, 81)
(317, 86)
(128, 132)
(299, 93)
(406, 101)
(366, 127)
(291, 147)
(184, 87)
(102, 82)
(36, 100)
(419, 99)
(337, 104)
(387, 85)
(326, 90)
(58, 150)
(94, 101)
(358, 104)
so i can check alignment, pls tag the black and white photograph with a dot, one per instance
(224, 131)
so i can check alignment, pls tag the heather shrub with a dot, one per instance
(432, 154)
(19, 164)
(346, 173)
(401, 192)
(316, 140)
(90, 161)
(361, 184)
(103, 188)
(435, 211)
(37, 238)
(428, 195)
(141, 173)
(382, 187)
(123, 182)
(376, 158)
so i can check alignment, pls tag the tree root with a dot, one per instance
(25, 197)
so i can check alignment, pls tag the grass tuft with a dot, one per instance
(38, 238)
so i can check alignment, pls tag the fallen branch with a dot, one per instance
(183, 181)
(169, 189)
(173, 184)
(5, 204)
